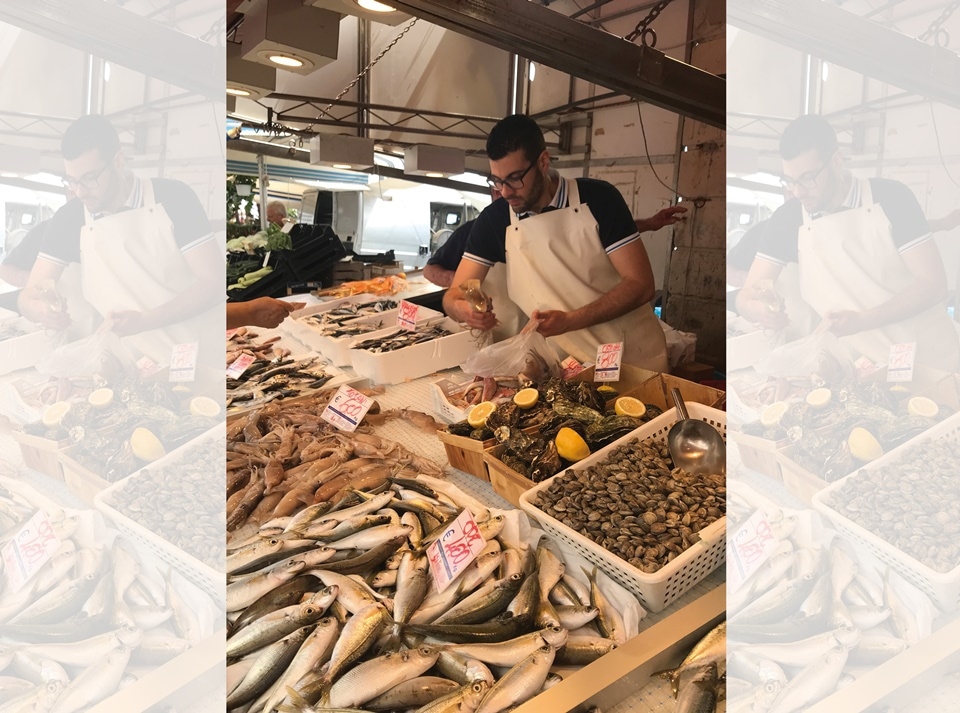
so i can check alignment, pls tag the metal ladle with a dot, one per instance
(695, 446)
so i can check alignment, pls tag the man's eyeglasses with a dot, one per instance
(806, 181)
(89, 180)
(513, 181)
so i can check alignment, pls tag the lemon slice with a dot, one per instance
(818, 398)
(629, 406)
(571, 446)
(477, 418)
(101, 398)
(922, 406)
(863, 445)
(773, 413)
(526, 398)
(202, 406)
(607, 391)
(145, 445)
(53, 415)
(898, 389)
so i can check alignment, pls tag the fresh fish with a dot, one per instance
(95, 683)
(521, 683)
(275, 626)
(483, 604)
(185, 619)
(573, 617)
(583, 650)
(383, 579)
(843, 568)
(804, 652)
(512, 563)
(500, 628)
(417, 692)
(699, 692)
(244, 593)
(286, 594)
(314, 652)
(712, 648)
(59, 603)
(370, 538)
(35, 668)
(371, 678)
(550, 568)
(874, 649)
(510, 653)
(780, 601)
(749, 666)
(365, 563)
(252, 553)
(609, 620)
(353, 595)
(867, 617)
(157, 647)
(268, 667)
(527, 601)
(358, 635)
(904, 621)
(813, 683)
(87, 651)
(150, 617)
(462, 669)
(464, 700)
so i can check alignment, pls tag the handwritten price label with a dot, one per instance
(407, 316)
(347, 408)
(146, 367)
(900, 364)
(749, 548)
(29, 550)
(571, 367)
(608, 362)
(230, 333)
(183, 361)
(454, 550)
(240, 365)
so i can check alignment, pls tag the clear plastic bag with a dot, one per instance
(101, 354)
(527, 353)
(819, 354)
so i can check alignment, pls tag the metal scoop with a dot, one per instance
(695, 446)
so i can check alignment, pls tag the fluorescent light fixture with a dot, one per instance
(433, 161)
(286, 60)
(533, 71)
(374, 6)
(825, 71)
(339, 151)
(344, 166)
(106, 71)
(7, 174)
(237, 91)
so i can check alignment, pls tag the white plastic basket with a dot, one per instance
(658, 590)
(205, 577)
(942, 587)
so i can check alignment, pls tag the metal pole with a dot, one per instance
(264, 182)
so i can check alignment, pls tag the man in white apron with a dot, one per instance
(147, 258)
(573, 255)
(868, 264)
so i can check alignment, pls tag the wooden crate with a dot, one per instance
(82, 482)
(506, 482)
(41, 454)
(467, 454)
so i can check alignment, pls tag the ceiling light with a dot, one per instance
(533, 71)
(345, 166)
(374, 6)
(341, 151)
(252, 80)
(434, 175)
(285, 60)
(424, 160)
(237, 92)
(7, 174)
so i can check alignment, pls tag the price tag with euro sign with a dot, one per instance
(571, 367)
(240, 365)
(751, 546)
(183, 362)
(607, 367)
(347, 408)
(900, 364)
(407, 316)
(29, 550)
(454, 550)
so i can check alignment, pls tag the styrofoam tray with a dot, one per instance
(202, 575)
(656, 591)
(942, 587)
(417, 360)
(26, 350)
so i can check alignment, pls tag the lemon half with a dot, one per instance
(629, 406)
(526, 398)
(203, 406)
(477, 418)
(818, 398)
(863, 445)
(101, 398)
(145, 445)
(571, 446)
(922, 406)
(773, 413)
(53, 415)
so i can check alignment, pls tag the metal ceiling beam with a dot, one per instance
(124, 38)
(546, 36)
(836, 35)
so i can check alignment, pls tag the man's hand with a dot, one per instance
(844, 322)
(34, 306)
(552, 322)
(465, 313)
(126, 322)
(264, 312)
(671, 215)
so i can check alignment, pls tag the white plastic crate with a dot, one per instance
(26, 350)
(658, 590)
(202, 575)
(295, 327)
(439, 394)
(942, 587)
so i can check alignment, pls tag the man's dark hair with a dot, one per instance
(517, 131)
(90, 132)
(810, 131)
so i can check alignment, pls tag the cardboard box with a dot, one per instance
(631, 377)
(694, 371)
(657, 391)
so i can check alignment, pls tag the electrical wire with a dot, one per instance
(649, 160)
(943, 162)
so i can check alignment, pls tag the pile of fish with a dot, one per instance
(813, 617)
(272, 375)
(283, 457)
(697, 683)
(8, 330)
(90, 621)
(912, 503)
(483, 389)
(402, 338)
(178, 501)
(335, 607)
(635, 504)
(330, 320)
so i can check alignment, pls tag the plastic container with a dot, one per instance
(658, 590)
(26, 350)
(943, 588)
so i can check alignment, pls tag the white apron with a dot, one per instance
(555, 261)
(510, 316)
(130, 261)
(848, 261)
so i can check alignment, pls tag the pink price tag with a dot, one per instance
(900, 363)
(230, 333)
(347, 408)
(749, 548)
(183, 361)
(607, 367)
(29, 550)
(407, 316)
(146, 367)
(240, 365)
(571, 367)
(455, 549)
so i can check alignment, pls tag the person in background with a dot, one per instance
(868, 264)
(146, 252)
(16, 266)
(573, 254)
(264, 312)
(276, 213)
